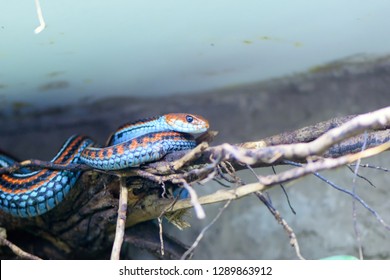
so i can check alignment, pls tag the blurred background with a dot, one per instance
(253, 68)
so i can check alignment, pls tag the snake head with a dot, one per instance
(187, 123)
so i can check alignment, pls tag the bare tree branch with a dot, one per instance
(121, 220)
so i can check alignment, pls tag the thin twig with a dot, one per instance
(42, 23)
(167, 167)
(354, 210)
(121, 220)
(326, 163)
(358, 175)
(287, 228)
(200, 214)
(354, 196)
(18, 251)
(223, 184)
(203, 231)
(285, 193)
(225, 177)
(229, 168)
(190, 156)
(160, 233)
(367, 165)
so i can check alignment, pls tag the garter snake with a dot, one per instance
(31, 193)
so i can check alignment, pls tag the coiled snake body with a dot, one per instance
(28, 194)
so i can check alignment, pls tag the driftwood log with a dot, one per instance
(84, 225)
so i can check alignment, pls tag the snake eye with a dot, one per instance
(189, 118)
